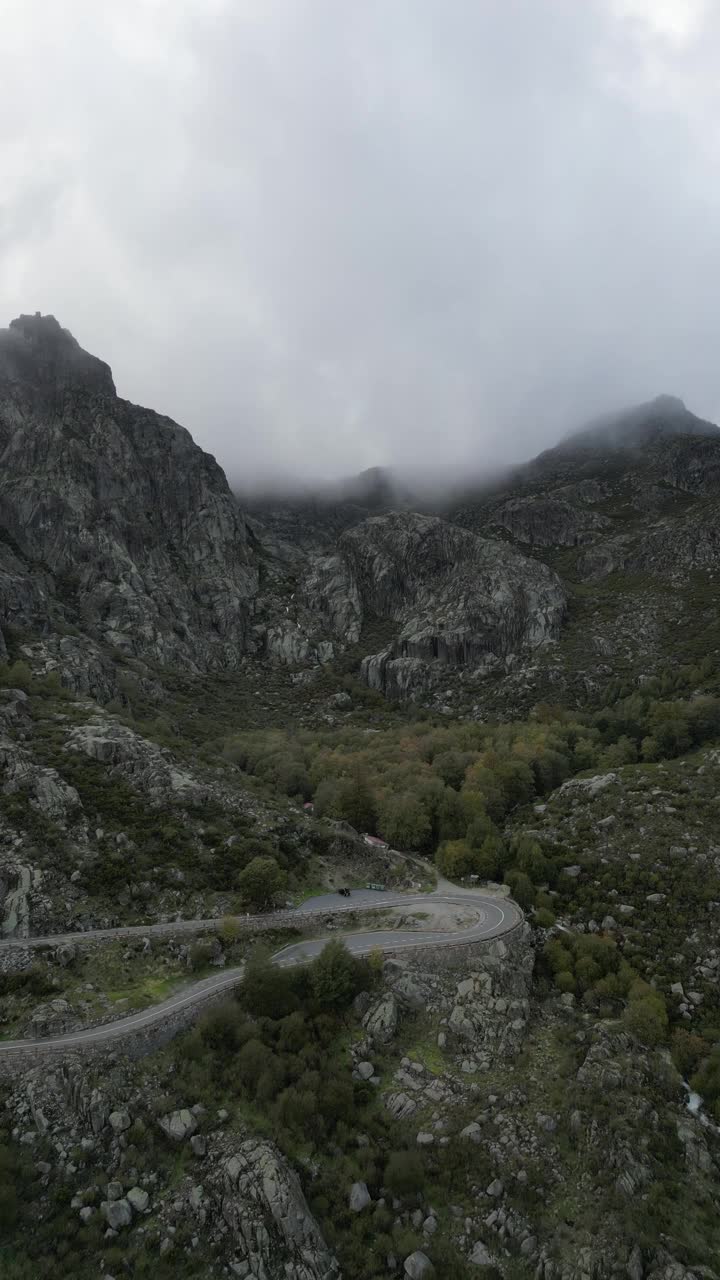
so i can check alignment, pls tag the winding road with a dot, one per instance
(494, 917)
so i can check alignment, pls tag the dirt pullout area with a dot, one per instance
(442, 917)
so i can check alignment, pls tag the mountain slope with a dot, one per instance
(627, 514)
(518, 1111)
(624, 512)
(124, 554)
(120, 541)
(113, 521)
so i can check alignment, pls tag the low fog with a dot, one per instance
(422, 234)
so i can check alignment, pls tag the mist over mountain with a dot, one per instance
(430, 238)
(116, 523)
(625, 429)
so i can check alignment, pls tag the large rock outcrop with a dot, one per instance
(147, 767)
(549, 521)
(111, 518)
(269, 1219)
(453, 599)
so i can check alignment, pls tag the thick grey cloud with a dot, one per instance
(326, 234)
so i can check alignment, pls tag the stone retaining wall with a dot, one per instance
(460, 958)
(17, 954)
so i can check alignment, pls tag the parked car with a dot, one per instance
(344, 893)
(379, 887)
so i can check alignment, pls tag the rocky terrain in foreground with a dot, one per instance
(531, 1141)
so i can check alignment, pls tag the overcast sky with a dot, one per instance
(325, 234)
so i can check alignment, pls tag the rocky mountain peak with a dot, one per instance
(39, 357)
(110, 515)
(664, 417)
(669, 404)
(376, 487)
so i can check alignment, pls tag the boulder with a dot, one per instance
(359, 1197)
(471, 1133)
(410, 991)
(138, 1199)
(51, 1019)
(361, 1003)
(178, 1125)
(418, 1266)
(400, 1105)
(119, 1120)
(380, 1021)
(117, 1213)
(480, 1256)
(589, 787)
(265, 1211)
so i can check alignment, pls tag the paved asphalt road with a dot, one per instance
(324, 904)
(495, 916)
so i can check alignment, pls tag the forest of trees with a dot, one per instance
(446, 791)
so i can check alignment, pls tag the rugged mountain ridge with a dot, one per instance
(118, 535)
(121, 542)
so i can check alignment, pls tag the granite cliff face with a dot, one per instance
(119, 536)
(459, 601)
(443, 597)
(112, 521)
(626, 512)
(121, 542)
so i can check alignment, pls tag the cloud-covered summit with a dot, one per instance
(330, 236)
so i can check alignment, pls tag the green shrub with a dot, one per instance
(404, 1173)
(200, 955)
(543, 918)
(646, 1014)
(260, 882)
(336, 976)
(521, 888)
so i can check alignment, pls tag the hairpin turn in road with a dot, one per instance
(495, 916)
